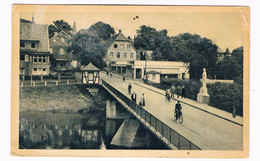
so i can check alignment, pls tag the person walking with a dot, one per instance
(172, 91)
(110, 74)
(177, 110)
(129, 88)
(133, 97)
(183, 92)
(123, 78)
(143, 100)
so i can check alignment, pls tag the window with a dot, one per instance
(131, 55)
(35, 69)
(22, 44)
(35, 59)
(125, 55)
(44, 71)
(26, 58)
(118, 55)
(122, 46)
(62, 39)
(61, 51)
(128, 46)
(33, 45)
(51, 50)
(21, 70)
(115, 45)
(22, 57)
(40, 59)
(43, 59)
(111, 55)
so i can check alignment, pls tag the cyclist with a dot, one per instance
(177, 110)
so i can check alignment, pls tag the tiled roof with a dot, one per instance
(35, 32)
(117, 37)
(90, 67)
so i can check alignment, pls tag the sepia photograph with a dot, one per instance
(130, 81)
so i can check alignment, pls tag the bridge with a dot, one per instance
(204, 127)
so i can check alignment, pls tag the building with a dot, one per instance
(166, 69)
(120, 54)
(61, 58)
(238, 52)
(223, 54)
(34, 49)
(144, 54)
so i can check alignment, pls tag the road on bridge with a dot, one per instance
(204, 129)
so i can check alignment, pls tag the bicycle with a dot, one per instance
(180, 117)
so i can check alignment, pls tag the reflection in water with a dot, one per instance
(91, 130)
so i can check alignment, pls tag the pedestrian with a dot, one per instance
(143, 100)
(166, 95)
(110, 74)
(107, 72)
(129, 88)
(177, 110)
(183, 92)
(178, 91)
(172, 91)
(123, 78)
(133, 97)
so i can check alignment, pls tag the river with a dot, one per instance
(71, 130)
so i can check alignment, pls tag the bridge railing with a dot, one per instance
(155, 124)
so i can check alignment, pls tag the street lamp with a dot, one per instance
(145, 68)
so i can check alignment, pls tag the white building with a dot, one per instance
(167, 69)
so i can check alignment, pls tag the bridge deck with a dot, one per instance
(209, 129)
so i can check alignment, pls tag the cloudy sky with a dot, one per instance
(225, 26)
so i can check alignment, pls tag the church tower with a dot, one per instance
(74, 29)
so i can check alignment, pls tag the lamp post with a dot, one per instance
(146, 79)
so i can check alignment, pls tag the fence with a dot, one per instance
(48, 83)
(154, 124)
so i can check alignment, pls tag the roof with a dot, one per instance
(35, 32)
(61, 32)
(152, 72)
(239, 49)
(90, 67)
(117, 37)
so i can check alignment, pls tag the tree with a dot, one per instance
(199, 52)
(88, 48)
(58, 26)
(230, 69)
(101, 30)
(25, 21)
(149, 38)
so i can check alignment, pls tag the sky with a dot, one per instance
(225, 28)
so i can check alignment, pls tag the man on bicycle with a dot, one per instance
(177, 110)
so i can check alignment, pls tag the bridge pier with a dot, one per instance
(110, 109)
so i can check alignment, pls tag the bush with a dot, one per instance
(226, 96)
(223, 96)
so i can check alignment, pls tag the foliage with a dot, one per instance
(230, 69)
(58, 26)
(222, 95)
(198, 51)
(226, 96)
(88, 48)
(101, 30)
(149, 38)
(25, 21)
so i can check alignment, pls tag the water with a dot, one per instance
(87, 130)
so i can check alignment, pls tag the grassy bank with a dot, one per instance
(55, 98)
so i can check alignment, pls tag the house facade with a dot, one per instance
(60, 57)
(34, 49)
(166, 69)
(120, 53)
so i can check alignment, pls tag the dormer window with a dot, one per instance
(62, 39)
(33, 45)
(115, 45)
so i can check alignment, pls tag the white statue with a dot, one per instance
(203, 89)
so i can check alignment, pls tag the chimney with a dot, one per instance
(33, 18)
(119, 31)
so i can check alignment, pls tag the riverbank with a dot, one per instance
(56, 99)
